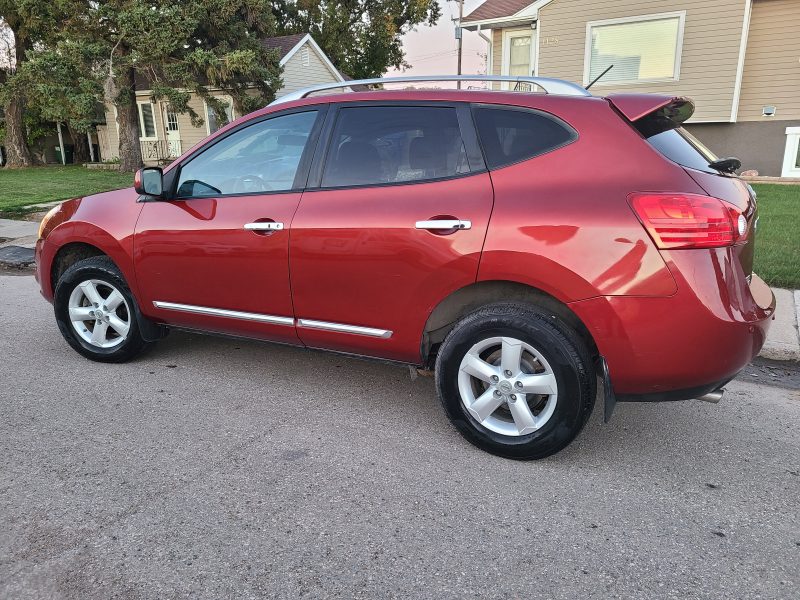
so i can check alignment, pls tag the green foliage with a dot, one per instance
(777, 252)
(59, 87)
(182, 48)
(361, 37)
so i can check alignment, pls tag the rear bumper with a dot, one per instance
(690, 343)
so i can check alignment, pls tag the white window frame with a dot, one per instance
(505, 62)
(141, 121)
(227, 99)
(790, 154)
(587, 55)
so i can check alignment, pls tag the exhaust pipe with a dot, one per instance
(713, 397)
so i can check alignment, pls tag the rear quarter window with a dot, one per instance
(511, 135)
(683, 148)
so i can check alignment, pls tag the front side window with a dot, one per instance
(147, 121)
(639, 49)
(394, 144)
(263, 157)
(512, 135)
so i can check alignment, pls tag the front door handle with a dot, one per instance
(263, 226)
(440, 224)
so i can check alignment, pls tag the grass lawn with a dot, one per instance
(778, 239)
(777, 246)
(22, 187)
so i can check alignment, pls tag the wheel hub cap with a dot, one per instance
(99, 313)
(507, 386)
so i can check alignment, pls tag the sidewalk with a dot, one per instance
(18, 238)
(783, 341)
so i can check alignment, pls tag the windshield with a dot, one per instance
(682, 147)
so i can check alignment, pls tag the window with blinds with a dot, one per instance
(637, 49)
(147, 121)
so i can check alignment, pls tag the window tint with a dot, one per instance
(681, 147)
(394, 144)
(260, 158)
(512, 135)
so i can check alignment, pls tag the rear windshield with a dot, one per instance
(682, 147)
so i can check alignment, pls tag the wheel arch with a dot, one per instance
(469, 298)
(67, 255)
(76, 240)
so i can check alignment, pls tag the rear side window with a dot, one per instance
(510, 135)
(375, 145)
(682, 147)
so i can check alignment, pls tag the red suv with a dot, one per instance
(520, 244)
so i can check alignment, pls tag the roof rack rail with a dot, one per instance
(548, 84)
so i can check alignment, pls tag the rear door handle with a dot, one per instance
(263, 226)
(439, 224)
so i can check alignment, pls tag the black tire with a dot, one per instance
(102, 269)
(561, 347)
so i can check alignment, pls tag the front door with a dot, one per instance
(396, 224)
(216, 256)
(518, 56)
(173, 132)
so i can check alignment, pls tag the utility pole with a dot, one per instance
(460, 37)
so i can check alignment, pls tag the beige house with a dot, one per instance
(165, 134)
(739, 60)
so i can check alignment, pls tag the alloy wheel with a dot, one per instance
(507, 386)
(99, 313)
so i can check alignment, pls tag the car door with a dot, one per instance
(215, 254)
(393, 223)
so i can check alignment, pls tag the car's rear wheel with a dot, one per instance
(96, 311)
(515, 381)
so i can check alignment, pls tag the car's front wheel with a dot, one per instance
(96, 311)
(515, 381)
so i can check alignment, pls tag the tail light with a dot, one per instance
(689, 220)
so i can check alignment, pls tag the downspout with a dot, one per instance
(489, 57)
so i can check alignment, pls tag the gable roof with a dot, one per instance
(286, 45)
(494, 9)
(283, 43)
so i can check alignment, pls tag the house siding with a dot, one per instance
(709, 60)
(296, 75)
(771, 68)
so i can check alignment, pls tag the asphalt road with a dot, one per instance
(217, 468)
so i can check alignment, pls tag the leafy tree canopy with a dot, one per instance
(361, 37)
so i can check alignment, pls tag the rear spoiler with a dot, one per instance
(651, 113)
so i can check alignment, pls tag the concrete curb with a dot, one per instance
(783, 340)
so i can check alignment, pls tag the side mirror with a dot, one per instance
(149, 181)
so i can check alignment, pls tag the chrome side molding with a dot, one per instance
(274, 320)
(221, 312)
(342, 328)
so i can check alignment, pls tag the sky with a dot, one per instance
(433, 50)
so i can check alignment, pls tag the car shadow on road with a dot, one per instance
(379, 395)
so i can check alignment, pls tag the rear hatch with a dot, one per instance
(659, 120)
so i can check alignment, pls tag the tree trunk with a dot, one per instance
(130, 152)
(80, 146)
(17, 152)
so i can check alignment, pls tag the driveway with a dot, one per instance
(218, 468)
